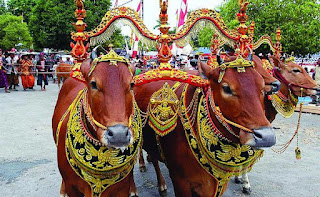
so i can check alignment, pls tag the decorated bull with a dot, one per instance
(206, 134)
(97, 128)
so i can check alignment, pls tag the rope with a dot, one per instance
(284, 146)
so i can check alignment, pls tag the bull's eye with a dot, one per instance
(227, 89)
(131, 85)
(296, 70)
(94, 85)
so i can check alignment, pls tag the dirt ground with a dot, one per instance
(28, 165)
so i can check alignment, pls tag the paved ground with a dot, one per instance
(28, 155)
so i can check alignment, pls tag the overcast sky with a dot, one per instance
(152, 9)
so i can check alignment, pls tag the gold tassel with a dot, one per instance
(298, 153)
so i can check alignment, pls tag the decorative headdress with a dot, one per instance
(240, 63)
(111, 57)
(290, 59)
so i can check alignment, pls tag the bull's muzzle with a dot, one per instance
(118, 136)
(275, 87)
(263, 137)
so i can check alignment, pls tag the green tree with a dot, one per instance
(21, 8)
(13, 31)
(3, 9)
(299, 21)
(51, 21)
(204, 37)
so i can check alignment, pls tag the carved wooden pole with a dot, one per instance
(278, 45)
(79, 51)
(164, 52)
(251, 34)
(242, 29)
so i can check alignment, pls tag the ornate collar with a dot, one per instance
(283, 105)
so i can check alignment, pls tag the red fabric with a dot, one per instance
(27, 81)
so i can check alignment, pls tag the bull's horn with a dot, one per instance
(94, 53)
(219, 60)
(250, 56)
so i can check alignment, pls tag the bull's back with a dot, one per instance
(68, 93)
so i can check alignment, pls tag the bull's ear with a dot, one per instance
(132, 68)
(204, 70)
(85, 68)
(275, 62)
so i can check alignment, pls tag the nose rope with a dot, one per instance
(281, 78)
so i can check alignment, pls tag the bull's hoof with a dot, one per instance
(134, 195)
(246, 190)
(64, 195)
(238, 180)
(142, 168)
(163, 191)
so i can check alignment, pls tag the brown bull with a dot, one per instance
(240, 99)
(287, 73)
(295, 82)
(63, 70)
(100, 107)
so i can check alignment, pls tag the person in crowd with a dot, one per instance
(42, 69)
(60, 60)
(34, 62)
(3, 77)
(69, 61)
(12, 70)
(27, 77)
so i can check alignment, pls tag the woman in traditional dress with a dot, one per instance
(3, 77)
(25, 69)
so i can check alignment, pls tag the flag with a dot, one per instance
(139, 8)
(135, 41)
(183, 12)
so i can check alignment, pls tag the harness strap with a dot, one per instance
(280, 77)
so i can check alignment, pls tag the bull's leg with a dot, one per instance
(133, 188)
(63, 192)
(181, 187)
(70, 191)
(246, 185)
(161, 181)
(142, 165)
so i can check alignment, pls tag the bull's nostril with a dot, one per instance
(110, 133)
(258, 135)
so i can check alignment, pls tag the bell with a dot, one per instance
(298, 153)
